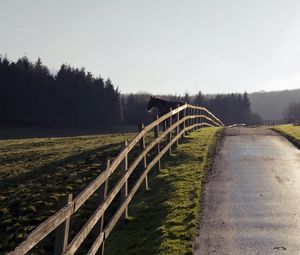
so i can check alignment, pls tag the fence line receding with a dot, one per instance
(167, 130)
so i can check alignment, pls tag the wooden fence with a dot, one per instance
(276, 122)
(179, 121)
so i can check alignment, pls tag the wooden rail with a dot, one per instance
(180, 121)
(275, 122)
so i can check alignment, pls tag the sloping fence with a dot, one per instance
(280, 122)
(276, 122)
(167, 130)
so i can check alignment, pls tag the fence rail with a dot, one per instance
(276, 122)
(172, 126)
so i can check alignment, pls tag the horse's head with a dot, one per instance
(151, 103)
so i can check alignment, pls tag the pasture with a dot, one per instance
(36, 173)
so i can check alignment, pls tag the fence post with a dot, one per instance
(102, 194)
(156, 134)
(165, 126)
(185, 122)
(194, 119)
(190, 112)
(197, 118)
(124, 190)
(170, 133)
(189, 120)
(200, 118)
(142, 148)
(177, 128)
(62, 232)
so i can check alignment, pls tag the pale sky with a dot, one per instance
(162, 46)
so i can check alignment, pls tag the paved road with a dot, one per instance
(252, 200)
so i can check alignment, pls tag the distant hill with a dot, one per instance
(271, 105)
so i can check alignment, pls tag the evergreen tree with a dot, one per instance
(29, 94)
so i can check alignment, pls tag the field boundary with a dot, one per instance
(175, 124)
(289, 137)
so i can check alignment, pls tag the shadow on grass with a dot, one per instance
(144, 232)
(30, 198)
(148, 234)
(77, 160)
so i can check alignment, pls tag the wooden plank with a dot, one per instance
(96, 245)
(94, 186)
(193, 113)
(124, 190)
(208, 112)
(142, 148)
(209, 119)
(120, 210)
(90, 189)
(62, 232)
(53, 222)
(102, 194)
(49, 225)
(156, 134)
(44, 229)
(85, 230)
(177, 128)
(184, 123)
(170, 133)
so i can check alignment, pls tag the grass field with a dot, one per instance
(292, 133)
(35, 173)
(164, 220)
(21, 132)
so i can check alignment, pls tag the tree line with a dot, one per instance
(292, 113)
(31, 94)
(230, 108)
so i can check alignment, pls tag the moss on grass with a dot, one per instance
(164, 220)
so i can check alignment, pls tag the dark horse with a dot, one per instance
(162, 105)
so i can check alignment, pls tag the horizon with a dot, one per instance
(167, 47)
(54, 72)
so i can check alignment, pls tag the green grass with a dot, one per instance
(35, 173)
(292, 133)
(164, 220)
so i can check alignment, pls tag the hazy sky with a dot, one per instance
(162, 46)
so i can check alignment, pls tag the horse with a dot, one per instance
(162, 105)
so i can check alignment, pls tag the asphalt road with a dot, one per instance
(252, 199)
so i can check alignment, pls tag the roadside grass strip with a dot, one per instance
(292, 133)
(164, 219)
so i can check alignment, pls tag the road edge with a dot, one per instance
(209, 167)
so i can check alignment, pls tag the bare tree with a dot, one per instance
(292, 112)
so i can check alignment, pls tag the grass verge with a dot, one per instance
(292, 133)
(164, 220)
